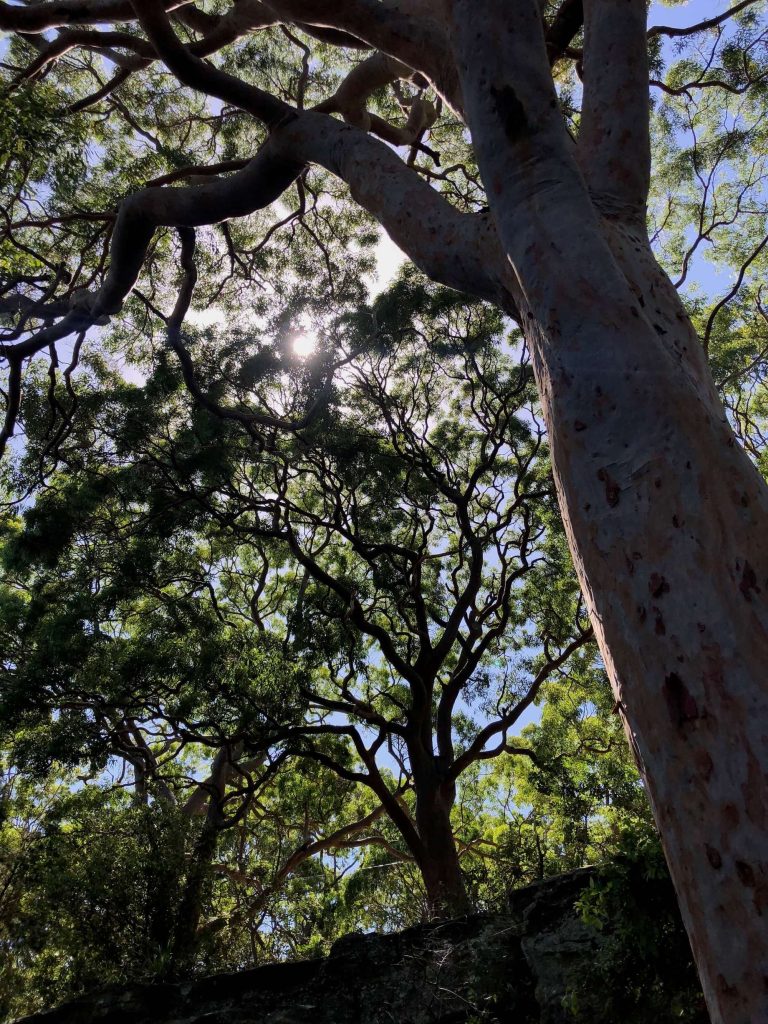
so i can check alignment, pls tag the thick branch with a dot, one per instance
(60, 13)
(565, 25)
(614, 141)
(403, 30)
(452, 248)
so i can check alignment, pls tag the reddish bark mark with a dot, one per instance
(731, 817)
(578, 425)
(748, 581)
(713, 675)
(714, 858)
(746, 874)
(680, 702)
(659, 628)
(752, 789)
(612, 489)
(705, 765)
(658, 585)
(725, 988)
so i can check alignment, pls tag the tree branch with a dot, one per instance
(701, 26)
(191, 70)
(60, 13)
(476, 749)
(614, 140)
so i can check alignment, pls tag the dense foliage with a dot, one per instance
(290, 639)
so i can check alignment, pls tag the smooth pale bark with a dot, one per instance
(667, 519)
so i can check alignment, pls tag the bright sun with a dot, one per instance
(304, 344)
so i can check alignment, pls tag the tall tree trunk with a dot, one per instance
(668, 526)
(186, 932)
(666, 517)
(439, 858)
(437, 855)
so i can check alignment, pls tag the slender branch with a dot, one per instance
(476, 749)
(191, 70)
(731, 292)
(701, 26)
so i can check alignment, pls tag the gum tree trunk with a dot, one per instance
(667, 519)
(439, 858)
(668, 526)
(434, 846)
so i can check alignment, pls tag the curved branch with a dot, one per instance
(456, 249)
(106, 90)
(701, 26)
(256, 186)
(191, 70)
(72, 38)
(60, 13)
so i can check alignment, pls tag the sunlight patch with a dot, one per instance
(304, 344)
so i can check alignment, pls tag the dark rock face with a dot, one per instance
(513, 968)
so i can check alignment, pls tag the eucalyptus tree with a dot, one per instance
(143, 714)
(140, 704)
(545, 216)
(97, 889)
(384, 593)
(415, 517)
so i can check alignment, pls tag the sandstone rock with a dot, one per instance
(510, 968)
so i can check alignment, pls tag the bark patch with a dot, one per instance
(658, 585)
(752, 789)
(705, 765)
(680, 702)
(731, 816)
(511, 112)
(746, 874)
(714, 858)
(612, 489)
(748, 582)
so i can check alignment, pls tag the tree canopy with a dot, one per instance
(302, 576)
